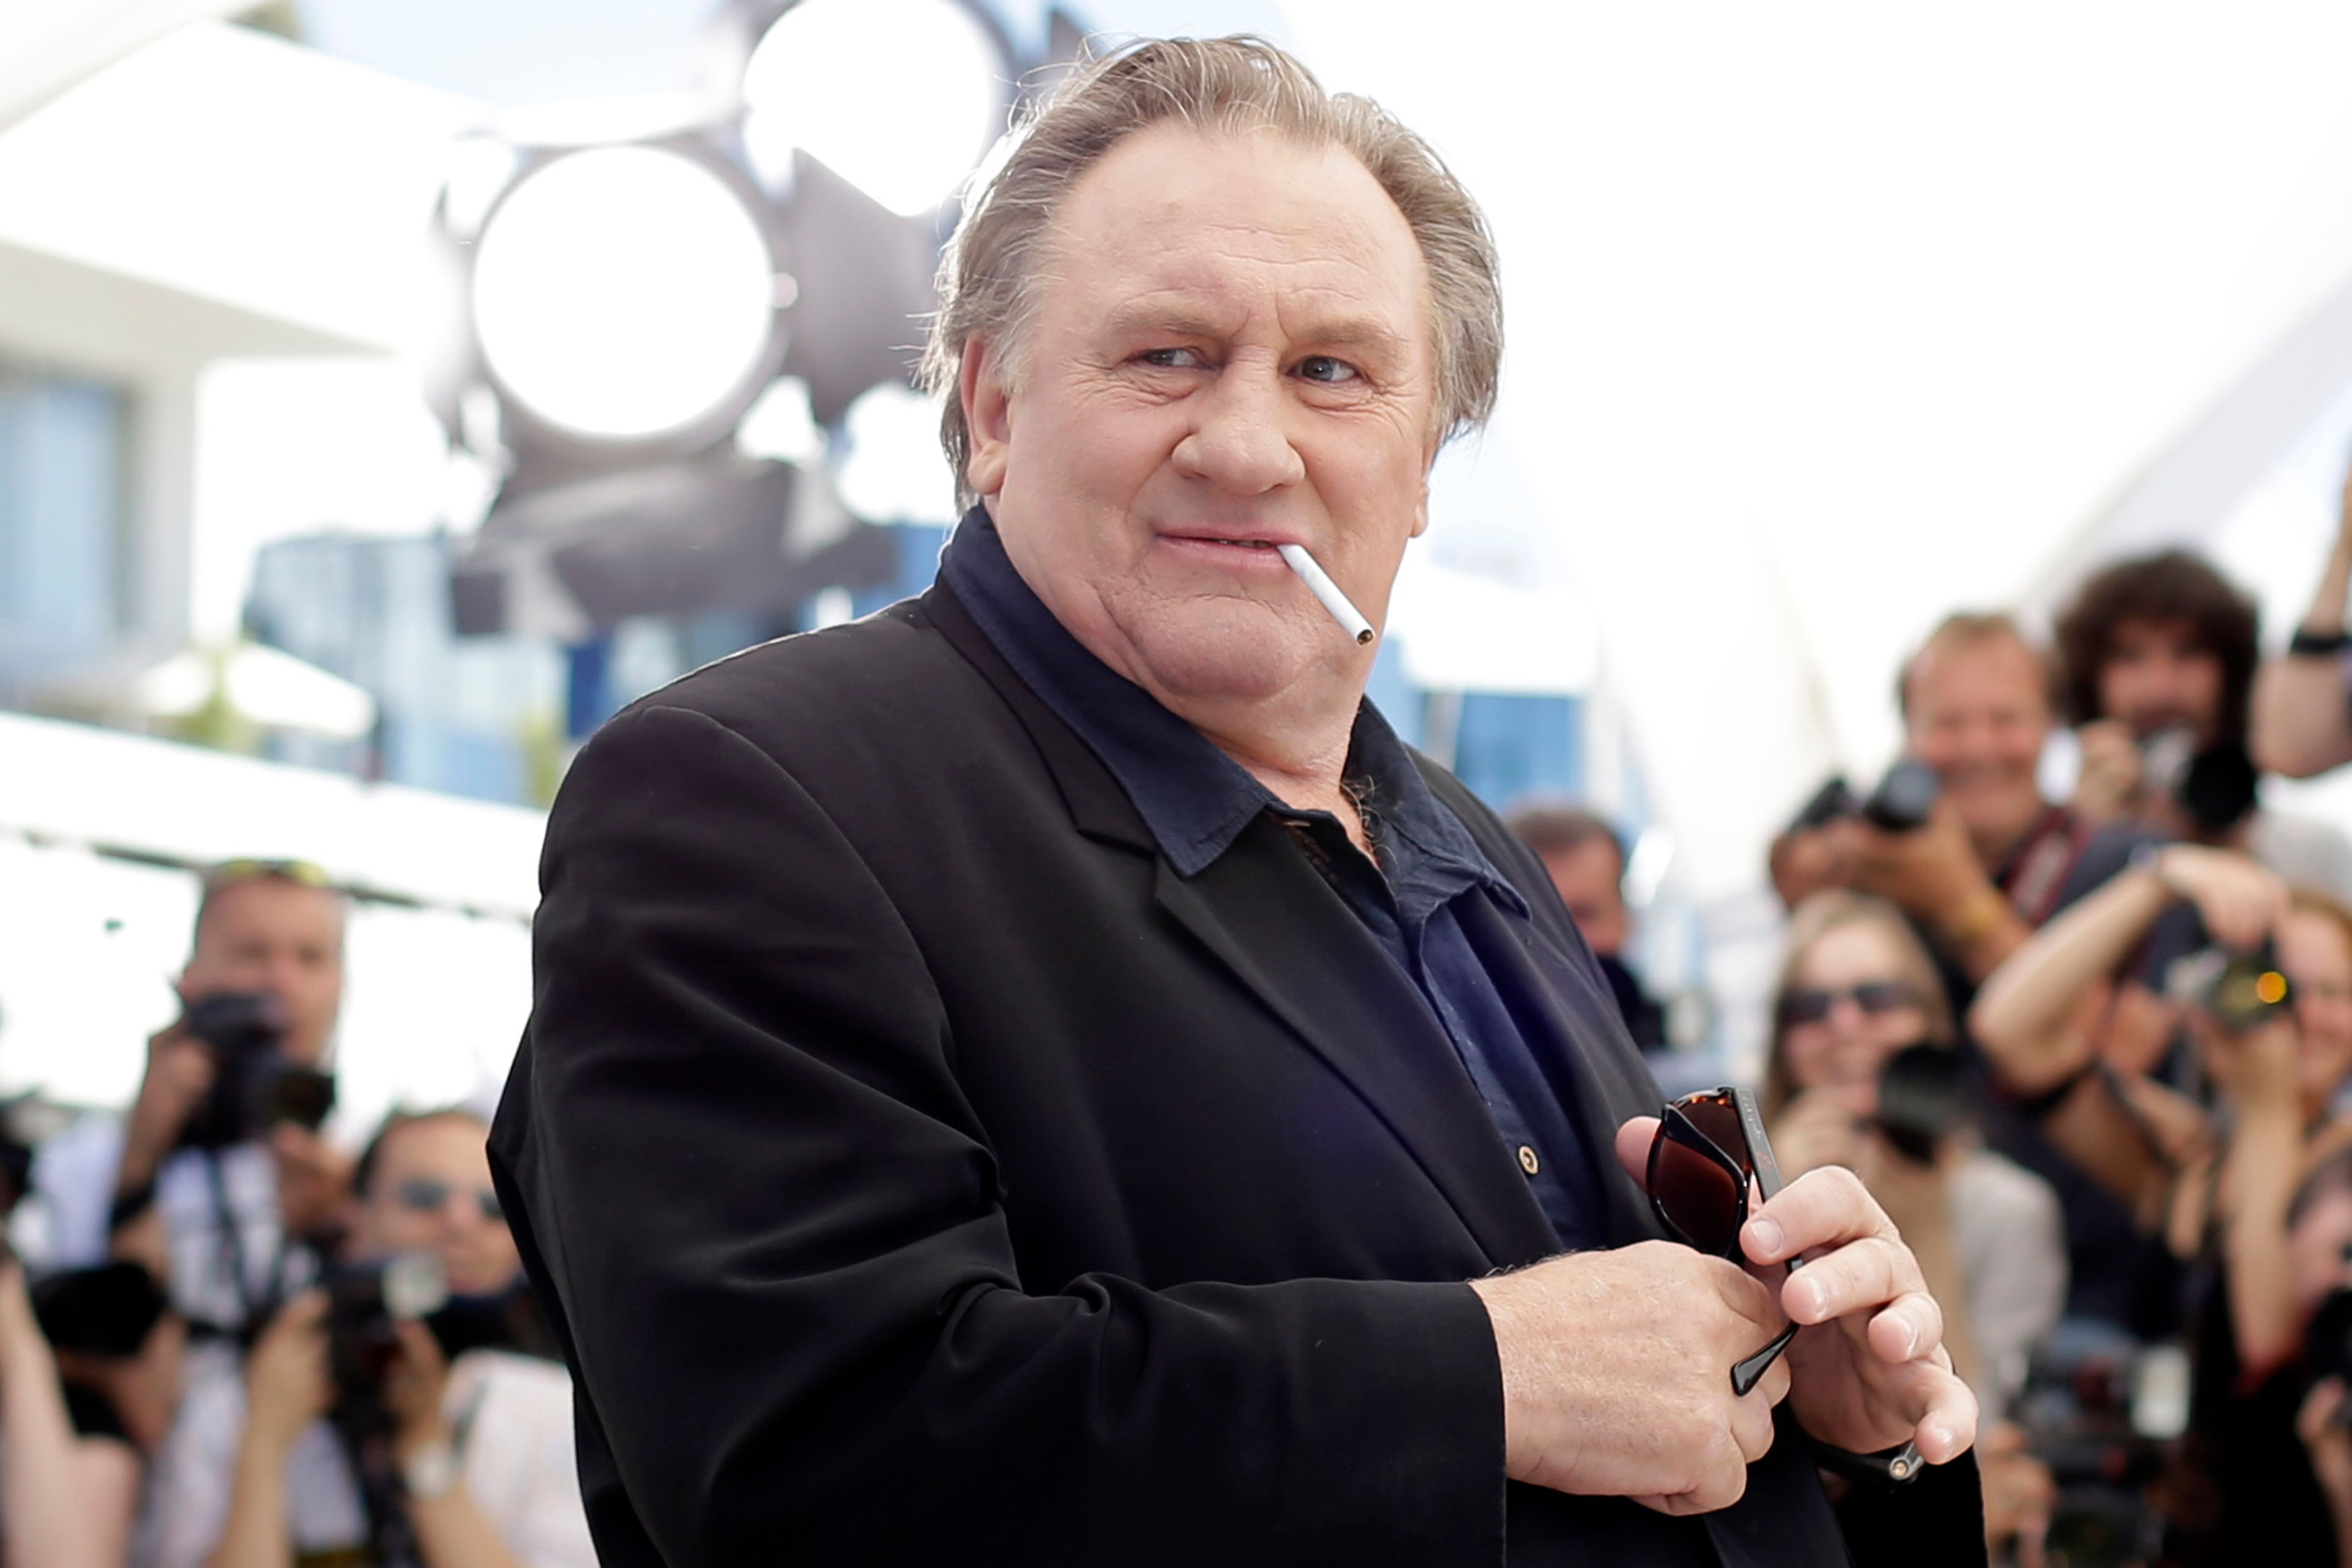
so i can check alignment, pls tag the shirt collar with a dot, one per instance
(1194, 798)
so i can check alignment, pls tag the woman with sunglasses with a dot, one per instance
(479, 1450)
(1856, 990)
(2214, 1184)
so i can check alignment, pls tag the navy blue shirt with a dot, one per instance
(1195, 800)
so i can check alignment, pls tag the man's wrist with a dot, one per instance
(1974, 916)
(430, 1471)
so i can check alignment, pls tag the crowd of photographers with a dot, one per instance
(242, 1346)
(2093, 1055)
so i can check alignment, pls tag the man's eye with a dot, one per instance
(1328, 370)
(1171, 359)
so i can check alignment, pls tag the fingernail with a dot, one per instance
(1910, 1339)
(1764, 1239)
(1940, 1438)
(1807, 1293)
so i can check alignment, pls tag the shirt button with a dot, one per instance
(1527, 1161)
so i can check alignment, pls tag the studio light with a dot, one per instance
(626, 293)
(899, 97)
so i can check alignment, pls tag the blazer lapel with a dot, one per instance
(1573, 1028)
(1265, 913)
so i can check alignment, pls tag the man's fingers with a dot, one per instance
(1949, 1426)
(1911, 1326)
(1827, 1207)
(1633, 1140)
(1859, 1277)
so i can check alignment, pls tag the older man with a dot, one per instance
(1042, 1076)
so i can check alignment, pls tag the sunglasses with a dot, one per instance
(248, 871)
(421, 1196)
(1874, 997)
(1709, 1166)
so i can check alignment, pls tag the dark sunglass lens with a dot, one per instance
(425, 1197)
(1806, 1006)
(1698, 1197)
(1882, 996)
(1718, 1121)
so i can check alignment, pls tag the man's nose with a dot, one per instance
(1238, 441)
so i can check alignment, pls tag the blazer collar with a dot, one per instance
(1268, 920)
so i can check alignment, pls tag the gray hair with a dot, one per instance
(988, 277)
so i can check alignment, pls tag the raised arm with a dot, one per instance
(2302, 716)
(2030, 1017)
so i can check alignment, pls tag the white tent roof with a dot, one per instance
(1827, 318)
(234, 166)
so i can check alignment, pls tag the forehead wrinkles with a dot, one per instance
(1119, 237)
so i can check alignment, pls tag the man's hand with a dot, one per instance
(1932, 872)
(1869, 1368)
(287, 1384)
(180, 1071)
(2108, 787)
(314, 1182)
(1617, 1374)
(1820, 1127)
(2239, 900)
(1803, 864)
(416, 1388)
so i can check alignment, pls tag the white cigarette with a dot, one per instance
(1351, 619)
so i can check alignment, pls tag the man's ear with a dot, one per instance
(987, 396)
(1420, 502)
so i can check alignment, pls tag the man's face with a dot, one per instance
(427, 1194)
(1589, 878)
(2157, 677)
(1979, 716)
(279, 938)
(1231, 350)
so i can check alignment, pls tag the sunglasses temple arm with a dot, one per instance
(1746, 1375)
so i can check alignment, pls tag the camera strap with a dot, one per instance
(251, 1310)
(2036, 874)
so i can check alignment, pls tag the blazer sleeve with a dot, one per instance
(772, 1226)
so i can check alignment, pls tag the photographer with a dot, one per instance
(371, 1427)
(2303, 702)
(1861, 1072)
(2215, 1187)
(1845, 1084)
(1586, 860)
(1977, 869)
(218, 1170)
(2160, 653)
(68, 1482)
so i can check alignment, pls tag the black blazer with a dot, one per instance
(919, 1171)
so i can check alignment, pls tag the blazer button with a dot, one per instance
(1527, 1161)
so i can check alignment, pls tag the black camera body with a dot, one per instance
(2237, 990)
(2214, 785)
(1902, 801)
(366, 1302)
(105, 1311)
(1922, 1096)
(254, 1087)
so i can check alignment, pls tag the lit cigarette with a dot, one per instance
(1351, 619)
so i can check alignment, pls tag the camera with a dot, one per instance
(2237, 990)
(1921, 1097)
(366, 1303)
(2214, 786)
(254, 1087)
(105, 1311)
(1902, 803)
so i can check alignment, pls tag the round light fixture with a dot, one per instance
(898, 97)
(624, 293)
